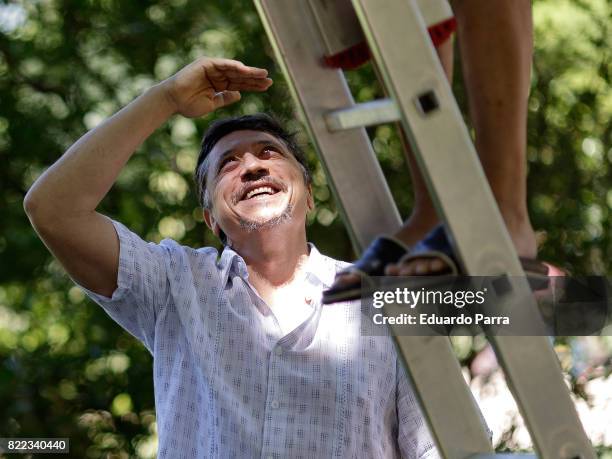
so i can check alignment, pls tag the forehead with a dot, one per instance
(241, 140)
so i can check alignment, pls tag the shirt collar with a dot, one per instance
(318, 268)
(230, 261)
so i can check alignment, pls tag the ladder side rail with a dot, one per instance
(347, 157)
(453, 416)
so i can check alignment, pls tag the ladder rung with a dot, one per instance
(362, 115)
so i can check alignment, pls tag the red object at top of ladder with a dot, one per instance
(357, 55)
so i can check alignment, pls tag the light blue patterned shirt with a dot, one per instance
(230, 384)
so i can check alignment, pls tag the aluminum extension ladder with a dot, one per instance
(302, 32)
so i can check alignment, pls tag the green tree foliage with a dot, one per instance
(66, 370)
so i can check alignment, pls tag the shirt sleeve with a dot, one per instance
(142, 286)
(414, 438)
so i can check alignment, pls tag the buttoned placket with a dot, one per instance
(276, 406)
(275, 416)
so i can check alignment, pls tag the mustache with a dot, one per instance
(268, 181)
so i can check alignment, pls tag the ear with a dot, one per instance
(310, 199)
(211, 222)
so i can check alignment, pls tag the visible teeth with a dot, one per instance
(263, 189)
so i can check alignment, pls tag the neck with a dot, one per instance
(273, 256)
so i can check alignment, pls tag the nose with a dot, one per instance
(253, 167)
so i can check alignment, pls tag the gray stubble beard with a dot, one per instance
(250, 226)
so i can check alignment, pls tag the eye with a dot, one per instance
(227, 163)
(269, 151)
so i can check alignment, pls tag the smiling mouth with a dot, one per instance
(259, 192)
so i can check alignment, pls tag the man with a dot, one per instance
(247, 362)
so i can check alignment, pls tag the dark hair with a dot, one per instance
(257, 122)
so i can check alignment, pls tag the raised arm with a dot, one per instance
(61, 203)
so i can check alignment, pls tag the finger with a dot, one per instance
(227, 83)
(224, 98)
(249, 85)
(231, 68)
(249, 80)
(238, 68)
(247, 72)
(240, 85)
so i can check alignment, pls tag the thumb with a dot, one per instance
(223, 98)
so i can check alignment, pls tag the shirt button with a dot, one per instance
(308, 299)
(278, 350)
(275, 404)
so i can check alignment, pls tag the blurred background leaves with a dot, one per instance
(66, 370)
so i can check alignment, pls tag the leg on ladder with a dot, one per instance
(495, 42)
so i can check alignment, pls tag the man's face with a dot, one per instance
(254, 182)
